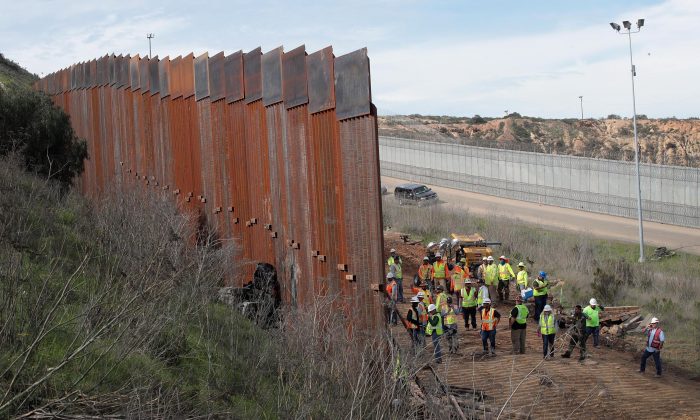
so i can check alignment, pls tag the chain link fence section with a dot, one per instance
(669, 193)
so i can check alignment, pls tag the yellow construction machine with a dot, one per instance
(472, 247)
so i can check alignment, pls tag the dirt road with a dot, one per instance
(599, 225)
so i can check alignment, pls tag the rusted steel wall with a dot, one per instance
(277, 151)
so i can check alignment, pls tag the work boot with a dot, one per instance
(566, 355)
(493, 352)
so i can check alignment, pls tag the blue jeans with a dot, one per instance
(437, 351)
(540, 301)
(595, 331)
(416, 335)
(399, 292)
(548, 344)
(487, 336)
(657, 361)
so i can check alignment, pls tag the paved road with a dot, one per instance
(600, 225)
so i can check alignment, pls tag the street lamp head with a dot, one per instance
(640, 23)
(627, 24)
(615, 26)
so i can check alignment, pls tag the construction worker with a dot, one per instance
(518, 325)
(391, 294)
(439, 271)
(655, 342)
(441, 299)
(450, 318)
(458, 274)
(434, 330)
(491, 275)
(489, 321)
(425, 272)
(395, 265)
(413, 317)
(469, 304)
(422, 316)
(521, 278)
(548, 331)
(577, 331)
(593, 322)
(426, 294)
(539, 291)
(481, 270)
(505, 274)
(482, 294)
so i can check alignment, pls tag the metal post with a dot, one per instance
(636, 155)
(150, 37)
(581, 99)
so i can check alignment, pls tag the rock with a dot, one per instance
(614, 330)
(604, 330)
(603, 393)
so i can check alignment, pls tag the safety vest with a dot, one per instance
(398, 271)
(423, 313)
(547, 324)
(594, 320)
(438, 328)
(656, 342)
(481, 296)
(428, 298)
(439, 268)
(425, 271)
(538, 283)
(522, 314)
(488, 321)
(416, 311)
(505, 271)
(450, 317)
(390, 288)
(491, 274)
(441, 301)
(458, 274)
(468, 298)
(522, 278)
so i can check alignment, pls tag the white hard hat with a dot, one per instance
(654, 320)
(547, 308)
(484, 258)
(467, 281)
(502, 257)
(490, 258)
(521, 264)
(439, 255)
(431, 307)
(487, 300)
(426, 259)
(390, 275)
(593, 302)
(420, 295)
(392, 250)
(414, 299)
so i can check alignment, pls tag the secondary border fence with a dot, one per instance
(670, 194)
(277, 150)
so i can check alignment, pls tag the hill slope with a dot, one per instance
(14, 75)
(664, 141)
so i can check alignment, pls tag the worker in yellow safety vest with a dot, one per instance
(395, 265)
(539, 291)
(518, 326)
(548, 331)
(422, 315)
(426, 294)
(505, 274)
(593, 321)
(458, 274)
(489, 321)
(441, 299)
(491, 275)
(521, 278)
(439, 271)
(482, 293)
(450, 318)
(469, 304)
(434, 330)
(425, 273)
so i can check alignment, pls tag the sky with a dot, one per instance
(438, 57)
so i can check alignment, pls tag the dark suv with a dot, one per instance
(415, 194)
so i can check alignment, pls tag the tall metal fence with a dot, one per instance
(278, 151)
(669, 194)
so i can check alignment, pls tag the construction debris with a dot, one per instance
(662, 252)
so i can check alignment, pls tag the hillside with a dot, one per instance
(664, 141)
(13, 75)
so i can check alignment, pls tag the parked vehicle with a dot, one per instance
(417, 194)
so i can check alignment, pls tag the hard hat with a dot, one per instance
(654, 320)
(438, 255)
(487, 300)
(467, 281)
(420, 295)
(431, 307)
(521, 264)
(502, 257)
(392, 250)
(463, 260)
(593, 302)
(543, 274)
(484, 259)
(390, 275)
(426, 259)
(490, 258)
(414, 300)
(547, 308)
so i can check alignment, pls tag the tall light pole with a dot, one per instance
(580, 98)
(628, 26)
(150, 37)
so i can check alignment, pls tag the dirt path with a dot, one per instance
(551, 217)
(606, 385)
